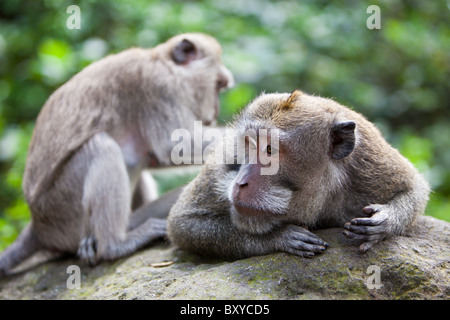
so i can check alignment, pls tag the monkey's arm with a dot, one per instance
(392, 218)
(213, 234)
(200, 222)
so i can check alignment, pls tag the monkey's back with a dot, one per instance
(79, 109)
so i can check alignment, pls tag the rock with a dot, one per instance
(416, 266)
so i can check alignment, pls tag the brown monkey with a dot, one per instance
(334, 170)
(98, 131)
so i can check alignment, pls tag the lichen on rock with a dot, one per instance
(415, 266)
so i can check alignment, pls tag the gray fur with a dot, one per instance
(95, 135)
(367, 187)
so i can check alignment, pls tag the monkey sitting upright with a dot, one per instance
(98, 131)
(334, 170)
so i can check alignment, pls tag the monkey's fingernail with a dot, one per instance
(345, 233)
(347, 225)
(368, 210)
(326, 245)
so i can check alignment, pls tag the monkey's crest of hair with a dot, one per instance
(289, 103)
(279, 109)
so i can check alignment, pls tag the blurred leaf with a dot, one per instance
(54, 47)
(418, 150)
(234, 100)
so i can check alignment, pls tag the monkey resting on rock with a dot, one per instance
(334, 170)
(98, 131)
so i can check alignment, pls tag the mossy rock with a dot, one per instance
(416, 266)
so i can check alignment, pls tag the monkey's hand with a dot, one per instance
(376, 227)
(87, 250)
(299, 241)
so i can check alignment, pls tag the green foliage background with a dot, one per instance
(397, 76)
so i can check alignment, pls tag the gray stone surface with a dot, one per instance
(416, 266)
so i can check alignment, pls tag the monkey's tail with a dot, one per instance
(25, 245)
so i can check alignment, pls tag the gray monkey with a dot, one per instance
(334, 170)
(95, 135)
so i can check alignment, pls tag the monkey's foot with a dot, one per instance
(301, 242)
(372, 229)
(87, 250)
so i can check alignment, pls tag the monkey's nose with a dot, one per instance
(242, 181)
(222, 82)
(225, 79)
(237, 192)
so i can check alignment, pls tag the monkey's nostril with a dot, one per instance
(222, 82)
(243, 184)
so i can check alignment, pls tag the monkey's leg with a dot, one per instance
(158, 208)
(106, 205)
(148, 186)
(385, 220)
(146, 190)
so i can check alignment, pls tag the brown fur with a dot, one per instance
(336, 170)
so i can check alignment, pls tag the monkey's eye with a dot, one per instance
(270, 150)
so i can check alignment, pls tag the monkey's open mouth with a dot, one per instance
(250, 210)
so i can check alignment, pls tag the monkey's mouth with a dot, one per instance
(250, 210)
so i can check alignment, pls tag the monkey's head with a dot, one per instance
(299, 144)
(196, 59)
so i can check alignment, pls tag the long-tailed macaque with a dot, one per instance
(331, 168)
(95, 135)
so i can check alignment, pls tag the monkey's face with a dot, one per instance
(259, 196)
(197, 58)
(295, 148)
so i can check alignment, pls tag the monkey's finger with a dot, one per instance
(369, 211)
(362, 237)
(299, 233)
(311, 247)
(315, 239)
(315, 245)
(309, 238)
(375, 220)
(297, 244)
(87, 250)
(367, 230)
(365, 221)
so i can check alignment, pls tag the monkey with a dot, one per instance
(97, 133)
(334, 170)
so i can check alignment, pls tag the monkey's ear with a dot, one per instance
(342, 139)
(184, 52)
